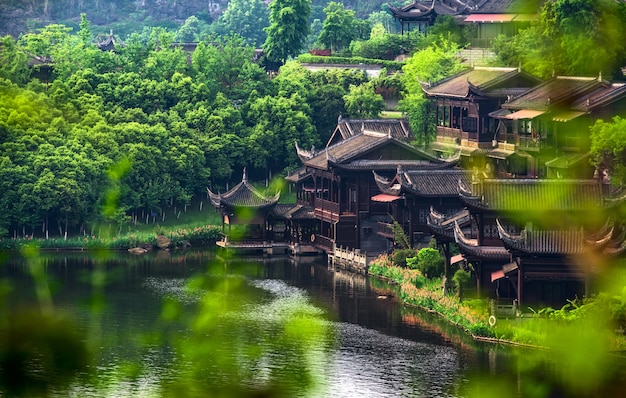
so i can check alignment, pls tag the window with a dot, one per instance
(470, 124)
(525, 126)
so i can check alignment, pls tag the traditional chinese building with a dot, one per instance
(498, 17)
(491, 17)
(338, 183)
(550, 124)
(464, 104)
(411, 194)
(535, 241)
(245, 205)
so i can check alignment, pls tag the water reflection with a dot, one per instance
(145, 348)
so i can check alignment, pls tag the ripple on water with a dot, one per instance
(370, 363)
(176, 288)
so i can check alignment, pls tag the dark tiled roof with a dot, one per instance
(350, 149)
(299, 175)
(388, 186)
(294, 212)
(553, 242)
(471, 249)
(478, 78)
(424, 7)
(554, 92)
(243, 195)
(439, 183)
(540, 195)
(367, 164)
(442, 225)
(498, 6)
(601, 96)
(397, 128)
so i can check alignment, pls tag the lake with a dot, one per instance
(191, 323)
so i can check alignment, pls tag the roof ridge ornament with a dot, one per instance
(244, 177)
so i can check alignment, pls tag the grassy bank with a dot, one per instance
(179, 236)
(589, 323)
(416, 290)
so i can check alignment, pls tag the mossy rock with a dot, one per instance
(163, 242)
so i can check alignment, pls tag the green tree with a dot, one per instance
(339, 27)
(362, 102)
(246, 18)
(461, 279)
(279, 122)
(608, 148)
(288, 30)
(428, 65)
(12, 61)
(430, 262)
(567, 35)
(189, 31)
(228, 63)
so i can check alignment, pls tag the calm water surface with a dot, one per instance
(377, 349)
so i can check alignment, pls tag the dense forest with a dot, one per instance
(126, 16)
(149, 123)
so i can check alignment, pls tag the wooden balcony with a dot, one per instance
(530, 143)
(385, 230)
(449, 132)
(326, 210)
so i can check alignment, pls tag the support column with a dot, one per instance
(520, 282)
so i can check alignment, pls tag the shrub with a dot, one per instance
(461, 279)
(400, 257)
(430, 262)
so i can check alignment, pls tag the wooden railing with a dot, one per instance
(326, 209)
(322, 242)
(351, 257)
(443, 131)
(385, 229)
(531, 143)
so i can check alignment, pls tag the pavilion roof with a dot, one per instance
(555, 242)
(439, 183)
(558, 92)
(442, 225)
(294, 212)
(346, 128)
(541, 195)
(350, 153)
(470, 248)
(485, 81)
(243, 195)
(422, 8)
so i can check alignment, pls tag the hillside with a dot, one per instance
(18, 16)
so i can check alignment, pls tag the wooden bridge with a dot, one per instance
(352, 259)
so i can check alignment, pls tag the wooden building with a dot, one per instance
(550, 228)
(411, 195)
(464, 105)
(499, 17)
(245, 205)
(490, 17)
(338, 183)
(549, 124)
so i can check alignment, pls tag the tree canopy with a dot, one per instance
(176, 122)
(568, 34)
(288, 29)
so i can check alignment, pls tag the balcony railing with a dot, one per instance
(322, 242)
(531, 143)
(385, 229)
(326, 210)
(448, 132)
